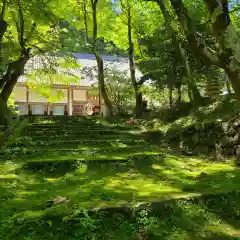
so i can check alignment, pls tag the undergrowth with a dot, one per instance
(27, 188)
(207, 217)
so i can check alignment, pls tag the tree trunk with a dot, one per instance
(170, 95)
(234, 78)
(136, 86)
(3, 23)
(139, 104)
(3, 29)
(191, 84)
(228, 87)
(179, 94)
(4, 78)
(101, 84)
(224, 58)
(220, 27)
(99, 60)
(194, 40)
(195, 92)
(15, 70)
(190, 94)
(85, 20)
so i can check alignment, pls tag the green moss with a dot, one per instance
(101, 175)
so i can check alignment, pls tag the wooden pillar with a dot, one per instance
(70, 100)
(85, 103)
(27, 100)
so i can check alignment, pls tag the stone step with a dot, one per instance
(96, 137)
(65, 125)
(78, 126)
(84, 147)
(105, 156)
(46, 151)
(80, 135)
(73, 143)
(71, 131)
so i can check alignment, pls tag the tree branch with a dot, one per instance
(95, 27)
(131, 49)
(194, 39)
(3, 23)
(20, 29)
(34, 25)
(3, 10)
(85, 20)
(123, 7)
(219, 14)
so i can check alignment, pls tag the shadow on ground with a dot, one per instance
(197, 199)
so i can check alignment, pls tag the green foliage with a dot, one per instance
(11, 132)
(11, 124)
(120, 89)
(12, 106)
(233, 41)
(59, 158)
(49, 72)
(121, 170)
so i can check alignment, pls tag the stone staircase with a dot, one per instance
(78, 138)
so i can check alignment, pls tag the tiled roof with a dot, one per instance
(85, 61)
(111, 58)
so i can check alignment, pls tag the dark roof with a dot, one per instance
(85, 60)
(110, 58)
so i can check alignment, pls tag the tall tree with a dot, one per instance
(224, 54)
(128, 30)
(3, 23)
(126, 8)
(100, 64)
(194, 94)
(33, 29)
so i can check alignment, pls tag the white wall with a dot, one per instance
(20, 94)
(36, 97)
(79, 95)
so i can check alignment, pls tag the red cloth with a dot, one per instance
(95, 108)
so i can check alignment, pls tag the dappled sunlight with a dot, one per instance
(26, 193)
(49, 121)
(119, 120)
(118, 145)
(198, 215)
(9, 177)
(52, 180)
(168, 177)
(100, 172)
(8, 167)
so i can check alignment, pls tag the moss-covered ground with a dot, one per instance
(91, 163)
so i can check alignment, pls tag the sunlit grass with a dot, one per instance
(108, 173)
(132, 182)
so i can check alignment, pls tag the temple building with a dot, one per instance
(77, 98)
